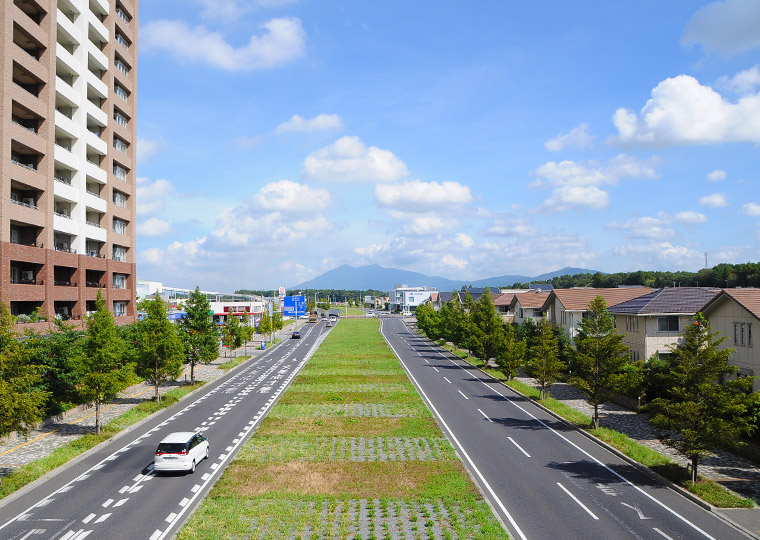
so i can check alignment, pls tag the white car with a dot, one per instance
(180, 451)
(369, 314)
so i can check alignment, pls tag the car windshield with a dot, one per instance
(171, 448)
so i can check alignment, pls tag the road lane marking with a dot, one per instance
(435, 368)
(485, 416)
(156, 534)
(662, 533)
(120, 502)
(45, 503)
(184, 501)
(465, 397)
(102, 518)
(107, 503)
(636, 509)
(88, 518)
(518, 446)
(170, 517)
(573, 497)
(447, 380)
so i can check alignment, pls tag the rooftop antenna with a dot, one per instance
(706, 260)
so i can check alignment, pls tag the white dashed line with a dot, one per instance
(447, 380)
(107, 503)
(102, 518)
(518, 446)
(170, 517)
(184, 501)
(485, 416)
(88, 518)
(156, 534)
(120, 502)
(573, 497)
(465, 397)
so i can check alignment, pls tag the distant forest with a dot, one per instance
(720, 276)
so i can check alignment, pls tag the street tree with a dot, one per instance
(103, 372)
(265, 324)
(600, 357)
(162, 352)
(706, 406)
(544, 364)
(277, 322)
(232, 332)
(511, 353)
(22, 401)
(199, 332)
(486, 328)
(428, 320)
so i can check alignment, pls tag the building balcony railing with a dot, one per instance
(63, 180)
(95, 254)
(61, 214)
(25, 243)
(33, 130)
(28, 205)
(63, 283)
(93, 224)
(95, 284)
(25, 165)
(27, 281)
(64, 248)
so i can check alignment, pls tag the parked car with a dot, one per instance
(181, 451)
(369, 314)
(295, 335)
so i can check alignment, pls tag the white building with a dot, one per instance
(406, 299)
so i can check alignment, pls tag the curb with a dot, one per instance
(641, 468)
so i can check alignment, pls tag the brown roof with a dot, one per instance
(503, 299)
(579, 299)
(749, 299)
(531, 299)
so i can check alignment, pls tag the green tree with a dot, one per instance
(22, 402)
(200, 336)
(601, 357)
(277, 322)
(232, 332)
(454, 321)
(706, 408)
(162, 352)
(265, 324)
(544, 364)
(103, 371)
(486, 329)
(511, 354)
(429, 321)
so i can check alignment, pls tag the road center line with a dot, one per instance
(485, 416)
(573, 497)
(465, 397)
(447, 380)
(518, 446)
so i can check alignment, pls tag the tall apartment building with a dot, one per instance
(67, 164)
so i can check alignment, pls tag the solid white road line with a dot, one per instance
(518, 446)
(465, 397)
(485, 416)
(573, 497)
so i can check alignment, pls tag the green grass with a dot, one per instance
(232, 362)
(319, 466)
(30, 472)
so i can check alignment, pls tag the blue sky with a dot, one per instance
(278, 139)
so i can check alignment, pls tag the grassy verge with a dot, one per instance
(39, 467)
(349, 451)
(232, 362)
(708, 490)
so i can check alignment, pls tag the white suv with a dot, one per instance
(180, 451)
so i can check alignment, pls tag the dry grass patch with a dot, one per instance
(349, 427)
(407, 479)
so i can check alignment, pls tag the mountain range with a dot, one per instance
(377, 277)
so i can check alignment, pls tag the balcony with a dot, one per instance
(64, 248)
(25, 162)
(27, 203)
(63, 283)
(94, 171)
(67, 59)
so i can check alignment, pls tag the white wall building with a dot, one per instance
(406, 299)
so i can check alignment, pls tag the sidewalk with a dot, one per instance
(729, 470)
(19, 451)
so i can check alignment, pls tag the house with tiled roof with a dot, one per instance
(528, 305)
(502, 304)
(653, 323)
(565, 308)
(735, 313)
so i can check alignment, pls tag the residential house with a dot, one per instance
(565, 308)
(734, 313)
(653, 323)
(528, 305)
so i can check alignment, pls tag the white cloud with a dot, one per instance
(291, 197)
(150, 196)
(299, 124)
(512, 226)
(728, 27)
(416, 194)
(233, 9)
(682, 111)
(155, 227)
(662, 254)
(716, 176)
(147, 148)
(464, 240)
(570, 197)
(369, 251)
(592, 173)
(578, 137)
(283, 41)
(743, 82)
(655, 227)
(751, 209)
(349, 160)
(428, 225)
(450, 260)
(716, 200)
(689, 217)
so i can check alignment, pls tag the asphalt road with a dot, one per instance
(543, 478)
(113, 493)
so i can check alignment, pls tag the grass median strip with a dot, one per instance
(350, 451)
(32, 471)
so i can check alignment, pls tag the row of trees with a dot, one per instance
(697, 403)
(41, 375)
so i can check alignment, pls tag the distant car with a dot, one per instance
(295, 335)
(369, 314)
(180, 451)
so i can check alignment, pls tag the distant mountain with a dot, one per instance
(378, 277)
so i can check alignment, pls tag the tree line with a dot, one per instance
(695, 400)
(45, 375)
(720, 276)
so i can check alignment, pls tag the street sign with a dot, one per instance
(294, 306)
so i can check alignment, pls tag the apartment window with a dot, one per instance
(563, 317)
(119, 91)
(119, 281)
(119, 226)
(122, 15)
(120, 119)
(121, 66)
(120, 172)
(522, 314)
(119, 199)
(120, 145)
(120, 309)
(667, 324)
(123, 42)
(632, 323)
(119, 254)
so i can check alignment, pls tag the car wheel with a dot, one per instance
(192, 467)
(207, 452)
